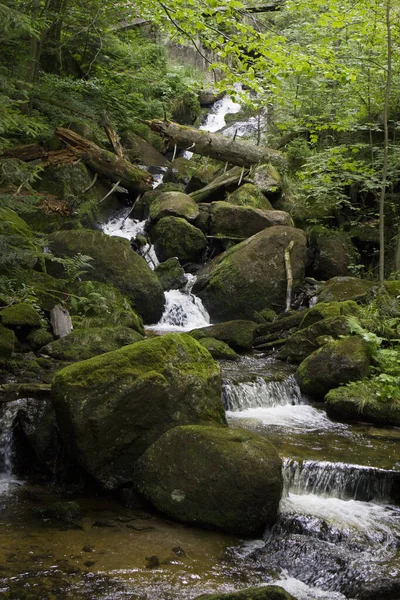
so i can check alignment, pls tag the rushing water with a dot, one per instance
(7, 416)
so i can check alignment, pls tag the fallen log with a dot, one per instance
(9, 392)
(105, 163)
(207, 193)
(27, 153)
(216, 145)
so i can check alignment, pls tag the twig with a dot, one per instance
(241, 177)
(114, 187)
(91, 185)
(174, 154)
(289, 275)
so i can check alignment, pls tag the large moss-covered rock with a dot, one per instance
(302, 343)
(226, 478)
(344, 288)
(115, 263)
(20, 316)
(82, 344)
(7, 342)
(174, 236)
(337, 362)
(328, 310)
(141, 208)
(243, 221)
(171, 274)
(239, 335)
(267, 179)
(269, 592)
(364, 401)
(180, 171)
(111, 408)
(174, 204)
(333, 253)
(252, 275)
(218, 350)
(21, 250)
(249, 195)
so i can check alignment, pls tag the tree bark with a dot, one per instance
(216, 145)
(206, 193)
(15, 391)
(105, 163)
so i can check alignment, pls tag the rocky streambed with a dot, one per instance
(210, 458)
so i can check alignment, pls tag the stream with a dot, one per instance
(338, 532)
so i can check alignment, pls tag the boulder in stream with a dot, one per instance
(111, 408)
(239, 335)
(171, 274)
(174, 236)
(337, 362)
(243, 221)
(114, 262)
(174, 204)
(249, 195)
(252, 276)
(212, 476)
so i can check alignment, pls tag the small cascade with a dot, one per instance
(183, 310)
(7, 416)
(339, 480)
(123, 226)
(259, 393)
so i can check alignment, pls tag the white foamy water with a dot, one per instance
(129, 228)
(300, 417)
(372, 520)
(302, 591)
(7, 416)
(260, 394)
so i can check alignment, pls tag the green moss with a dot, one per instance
(249, 195)
(227, 478)
(173, 236)
(170, 274)
(270, 592)
(340, 289)
(337, 362)
(7, 342)
(217, 349)
(239, 335)
(174, 204)
(20, 315)
(39, 338)
(325, 310)
(112, 407)
(18, 249)
(82, 344)
(180, 171)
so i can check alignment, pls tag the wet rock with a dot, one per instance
(364, 401)
(269, 592)
(179, 551)
(239, 335)
(60, 321)
(66, 512)
(82, 344)
(114, 262)
(218, 350)
(141, 208)
(249, 195)
(340, 289)
(173, 236)
(112, 407)
(251, 276)
(336, 363)
(213, 476)
(152, 562)
(173, 204)
(170, 274)
(243, 221)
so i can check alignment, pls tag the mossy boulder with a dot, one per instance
(239, 335)
(111, 408)
(269, 592)
(218, 350)
(21, 250)
(226, 478)
(333, 253)
(243, 221)
(141, 208)
(170, 274)
(301, 344)
(267, 179)
(180, 171)
(38, 338)
(174, 204)
(337, 362)
(345, 288)
(363, 401)
(49, 290)
(252, 275)
(140, 151)
(249, 195)
(115, 263)
(20, 316)
(327, 310)
(7, 342)
(84, 343)
(202, 176)
(174, 236)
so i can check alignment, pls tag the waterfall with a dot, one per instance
(339, 480)
(7, 415)
(260, 394)
(123, 226)
(183, 310)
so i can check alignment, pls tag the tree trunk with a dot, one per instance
(216, 145)
(107, 164)
(206, 194)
